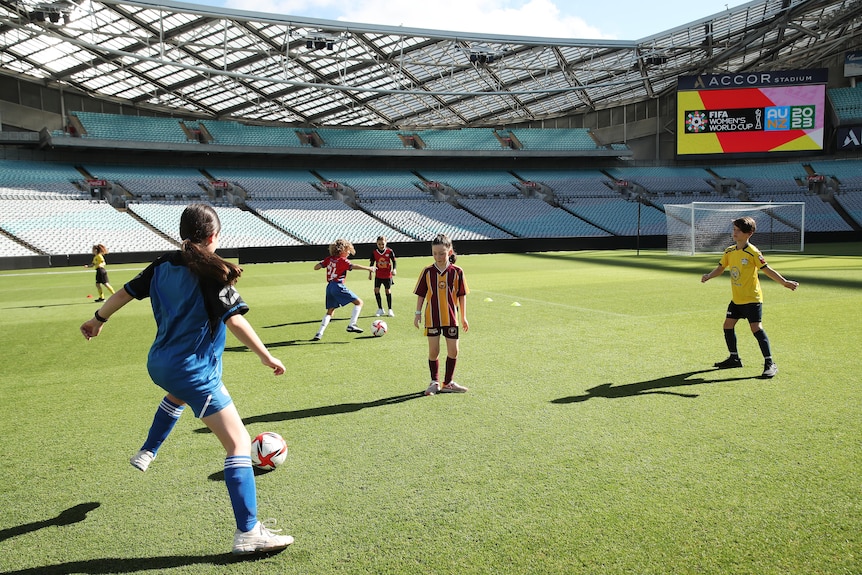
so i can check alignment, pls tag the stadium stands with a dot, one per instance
(847, 103)
(291, 207)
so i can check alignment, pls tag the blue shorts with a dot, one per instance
(204, 401)
(338, 295)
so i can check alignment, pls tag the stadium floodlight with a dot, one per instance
(705, 227)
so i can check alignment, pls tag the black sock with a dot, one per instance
(760, 335)
(730, 339)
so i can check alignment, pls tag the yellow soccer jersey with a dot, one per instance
(98, 261)
(743, 265)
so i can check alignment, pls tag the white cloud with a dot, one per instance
(533, 18)
(512, 17)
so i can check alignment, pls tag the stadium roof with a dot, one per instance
(196, 61)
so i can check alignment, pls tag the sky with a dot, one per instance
(582, 19)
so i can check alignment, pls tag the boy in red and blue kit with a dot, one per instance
(337, 294)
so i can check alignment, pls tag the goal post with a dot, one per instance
(705, 227)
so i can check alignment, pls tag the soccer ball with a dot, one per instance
(379, 327)
(268, 450)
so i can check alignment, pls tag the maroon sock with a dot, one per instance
(434, 366)
(450, 369)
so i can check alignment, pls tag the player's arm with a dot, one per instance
(417, 315)
(317, 266)
(361, 267)
(93, 326)
(777, 277)
(394, 263)
(242, 330)
(462, 309)
(719, 269)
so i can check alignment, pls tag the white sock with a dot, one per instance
(355, 315)
(324, 323)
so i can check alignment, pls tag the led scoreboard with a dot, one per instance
(751, 112)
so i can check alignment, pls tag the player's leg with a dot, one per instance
(250, 536)
(388, 286)
(327, 317)
(167, 414)
(378, 297)
(770, 368)
(452, 347)
(354, 315)
(433, 361)
(733, 315)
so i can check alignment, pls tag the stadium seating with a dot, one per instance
(847, 103)
(320, 222)
(74, 226)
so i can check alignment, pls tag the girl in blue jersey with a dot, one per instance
(194, 302)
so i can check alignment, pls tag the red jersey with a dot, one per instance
(441, 291)
(384, 263)
(336, 268)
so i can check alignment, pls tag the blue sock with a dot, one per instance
(164, 421)
(239, 478)
(760, 335)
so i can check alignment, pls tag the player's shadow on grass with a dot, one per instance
(323, 410)
(288, 343)
(658, 386)
(71, 515)
(106, 565)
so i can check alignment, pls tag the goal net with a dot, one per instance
(706, 227)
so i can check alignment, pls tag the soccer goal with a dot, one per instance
(706, 227)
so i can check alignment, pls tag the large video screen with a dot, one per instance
(753, 112)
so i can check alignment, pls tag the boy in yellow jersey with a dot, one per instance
(744, 261)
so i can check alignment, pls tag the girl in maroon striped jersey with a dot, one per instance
(442, 291)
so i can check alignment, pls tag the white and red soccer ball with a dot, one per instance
(268, 450)
(379, 328)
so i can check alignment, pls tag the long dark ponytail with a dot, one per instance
(198, 223)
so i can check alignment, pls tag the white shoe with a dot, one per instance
(259, 540)
(142, 459)
(391, 313)
(379, 312)
(453, 387)
(433, 389)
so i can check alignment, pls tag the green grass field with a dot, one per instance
(595, 439)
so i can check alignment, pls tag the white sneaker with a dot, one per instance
(433, 389)
(391, 313)
(379, 312)
(259, 540)
(142, 459)
(453, 387)
(353, 328)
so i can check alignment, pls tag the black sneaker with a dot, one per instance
(353, 328)
(729, 363)
(770, 368)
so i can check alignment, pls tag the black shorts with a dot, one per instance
(753, 312)
(449, 332)
(101, 276)
(385, 282)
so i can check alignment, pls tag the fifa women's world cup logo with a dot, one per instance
(695, 122)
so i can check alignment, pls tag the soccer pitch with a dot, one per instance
(596, 437)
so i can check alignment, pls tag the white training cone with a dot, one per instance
(516, 304)
(488, 299)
